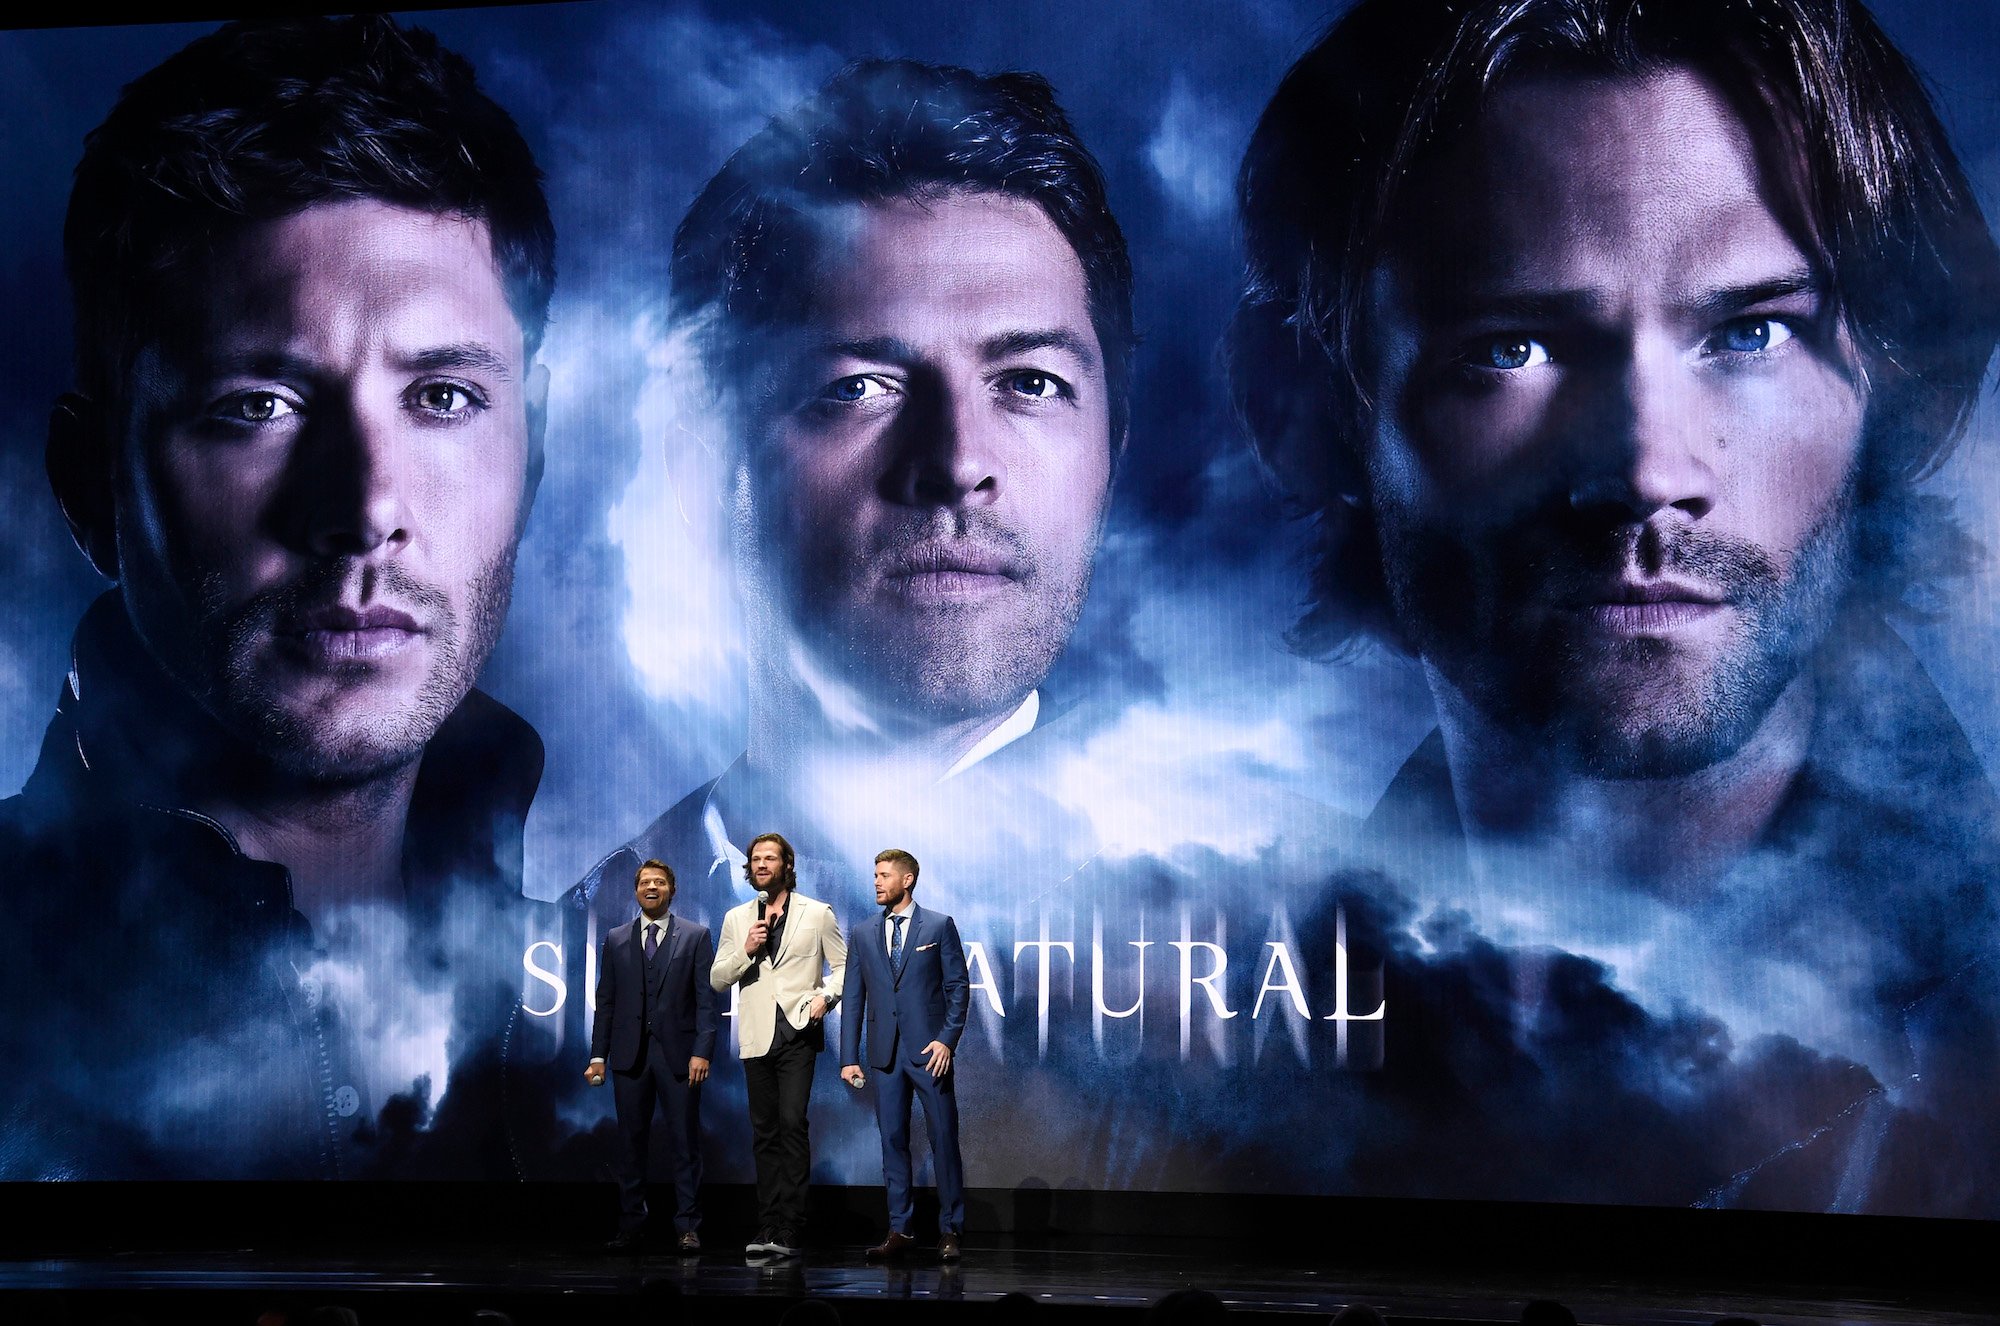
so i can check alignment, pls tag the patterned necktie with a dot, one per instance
(896, 942)
(652, 940)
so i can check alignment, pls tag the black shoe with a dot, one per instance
(783, 1244)
(626, 1240)
(948, 1249)
(758, 1246)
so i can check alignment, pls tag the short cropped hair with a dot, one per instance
(897, 856)
(1892, 224)
(644, 866)
(790, 858)
(882, 130)
(262, 119)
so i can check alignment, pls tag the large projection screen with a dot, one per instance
(1451, 658)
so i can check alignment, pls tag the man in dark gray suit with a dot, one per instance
(906, 979)
(655, 1030)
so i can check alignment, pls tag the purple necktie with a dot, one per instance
(652, 940)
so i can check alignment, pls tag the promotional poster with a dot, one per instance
(1417, 579)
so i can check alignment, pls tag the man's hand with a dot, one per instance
(852, 1076)
(753, 942)
(697, 1069)
(818, 1008)
(594, 1074)
(937, 1058)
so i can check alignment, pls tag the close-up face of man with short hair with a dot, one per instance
(1620, 420)
(320, 480)
(654, 890)
(893, 882)
(925, 494)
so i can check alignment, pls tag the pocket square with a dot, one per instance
(921, 947)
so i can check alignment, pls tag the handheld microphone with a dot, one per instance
(763, 900)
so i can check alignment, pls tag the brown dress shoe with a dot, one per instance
(690, 1242)
(948, 1248)
(892, 1247)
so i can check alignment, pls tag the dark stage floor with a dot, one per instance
(1108, 1279)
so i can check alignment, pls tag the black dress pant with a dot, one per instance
(779, 1084)
(657, 1083)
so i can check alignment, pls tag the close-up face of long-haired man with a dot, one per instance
(1626, 344)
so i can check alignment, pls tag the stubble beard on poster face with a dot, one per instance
(1605, 707)
(329, 745)
(937, 662)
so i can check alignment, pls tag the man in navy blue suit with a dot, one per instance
(907, 981)
(655, 1031)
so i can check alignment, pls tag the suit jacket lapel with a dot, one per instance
(635, 944)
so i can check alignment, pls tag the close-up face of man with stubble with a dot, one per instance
(925, 489)
(320, 478)
(1617, 427)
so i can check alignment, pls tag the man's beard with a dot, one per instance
(1604, 706)
(940, 662)
(319, 746)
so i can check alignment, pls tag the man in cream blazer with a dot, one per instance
(786, 956)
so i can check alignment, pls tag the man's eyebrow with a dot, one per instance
(895, 350)
(475, 355)
(283, 364)
(1555, 306)
(274, 364)
(1720, 302)
(1051, 338)
(882, 349)
(1524, 306)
